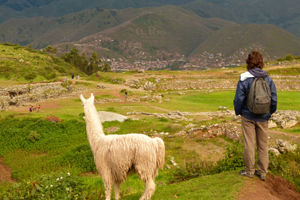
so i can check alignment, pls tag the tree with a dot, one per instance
(84, 63)
(72, 57)
(105, 67)
(29, 76)
(289, 57)
(50, 49)
(94, 64)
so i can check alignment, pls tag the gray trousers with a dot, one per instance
(255, 131)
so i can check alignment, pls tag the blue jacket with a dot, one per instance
(244, 84)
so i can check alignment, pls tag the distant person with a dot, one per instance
(254, 126)
(72, 76)
(38, 108)
(31, 109)
(125, 96)
(77, 77)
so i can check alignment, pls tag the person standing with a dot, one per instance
(126, 96)
(31, 109)
(254, 126)
(39, 108)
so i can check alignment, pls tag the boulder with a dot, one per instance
(272, 124)
(284, 146)
(288, 124)
(275, 151)
(110, 116)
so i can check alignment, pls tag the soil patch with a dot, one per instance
(44, 105)
(112, 129)
(5, 172)
(206, 150)
(274, 188)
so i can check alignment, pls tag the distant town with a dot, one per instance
(128, 56)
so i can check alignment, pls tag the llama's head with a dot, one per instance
(89, 101)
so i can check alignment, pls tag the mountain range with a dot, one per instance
(153, 29)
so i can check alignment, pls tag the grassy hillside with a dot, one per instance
(284, 14)
(57, 8)
(228, 40)
(41, 31)
(170, 29)
(206, 9)
(17, 61)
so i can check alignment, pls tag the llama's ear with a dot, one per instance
(83, 100)
(92, 97)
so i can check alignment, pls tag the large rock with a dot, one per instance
(110, 116)
(284, 146)
(275, 151)
(288, 124)
(272, 124)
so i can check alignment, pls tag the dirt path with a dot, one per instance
(5, 172)
(274, 188)
(285, 134)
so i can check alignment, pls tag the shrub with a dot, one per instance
(287, 165)
(52, 186)
(163, 119)
(53, 119)
(34, 136)
(111, 109)
(233, 159)
(30, 76)
(192, 170)
(81, 157)
(289, 57)
(123, 91)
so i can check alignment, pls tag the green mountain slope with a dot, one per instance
(169, 29)
(41, 31)
(284, 14)
(276, 41)
(209, 10)
(57, 8)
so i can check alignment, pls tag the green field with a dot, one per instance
(210, 101)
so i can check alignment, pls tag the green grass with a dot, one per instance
(207, 187)
(46, 66)
(210, 101)
(199, 102)
(288, 100)
(285, 71)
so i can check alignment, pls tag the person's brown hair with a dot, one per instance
(254, 60)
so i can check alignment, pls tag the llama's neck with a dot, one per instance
(93, 125)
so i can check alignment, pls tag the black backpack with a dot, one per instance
(259, 96)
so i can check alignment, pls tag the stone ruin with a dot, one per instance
(211, 131)
(25, 95)
(283, 118)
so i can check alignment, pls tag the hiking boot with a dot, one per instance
(260, 176)
(244, 173)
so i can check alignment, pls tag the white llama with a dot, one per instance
(117, 156)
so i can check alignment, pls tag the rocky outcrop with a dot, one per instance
(285, 118)
(282, 147)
